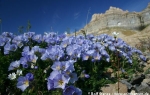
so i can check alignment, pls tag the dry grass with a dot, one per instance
(128, 32)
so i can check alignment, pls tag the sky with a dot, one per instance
(57, 15)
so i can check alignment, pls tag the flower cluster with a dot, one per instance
(63, 52)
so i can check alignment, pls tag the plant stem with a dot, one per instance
(118, 70)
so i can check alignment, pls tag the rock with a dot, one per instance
(137, 80)
(142, 89)
(113, 88)
(109, 73)
(147, 76)
(143, 63)
(129, 86)
(115, 17)
(132, 91)
(148, 62)
(109, 70)
(145, 82)
(146, 67)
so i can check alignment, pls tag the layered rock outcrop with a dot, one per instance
(115, 17)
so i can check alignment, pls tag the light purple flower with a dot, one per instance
(9, 47)
(14, 65)
(71, 90)
(53, 74)
(143, 58)
(60, 81)
(30, 76)
(97, 56)
(73, 77)
(50, 84)
(32, 58)
(37, 38)
(57, 66)
(23, 83)
(84, 75)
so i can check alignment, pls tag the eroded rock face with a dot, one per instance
(115, 17)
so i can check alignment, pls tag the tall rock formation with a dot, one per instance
(115, 17)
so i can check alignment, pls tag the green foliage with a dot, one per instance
(75, 33)
(28, 26)
(84, 33)
(20, 29)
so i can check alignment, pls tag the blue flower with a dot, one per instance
(143, 58)
(29, 34)
(32, 58)
(65, 43)
(112, 48)
(29, 76)
(53, 74)
(73, 77)
(71, 90)
(50, 84)
(23, 83)
(37, 38)
(60, 81)
(84, 75)
(57, 66)
(35, 49)
(14, 65)
(85, 56)
(96, 56)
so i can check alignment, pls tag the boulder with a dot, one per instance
(138, 79)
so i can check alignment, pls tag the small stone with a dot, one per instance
(145, 82)
(146, 67)
(109, 70)
(126, 83)
(147, 75)
(118, 73)
(148, 62)
(142, 89)
(143, 63)
(132, 91)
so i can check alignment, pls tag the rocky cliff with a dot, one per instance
(115, 17)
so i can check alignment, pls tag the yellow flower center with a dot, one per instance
(65, 45)
(96, 57)
(26, 83)
(34, 60)
(67, 72)
(58, 67)
(60, 82)
(87, 57)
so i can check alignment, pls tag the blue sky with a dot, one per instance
(57, 15)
